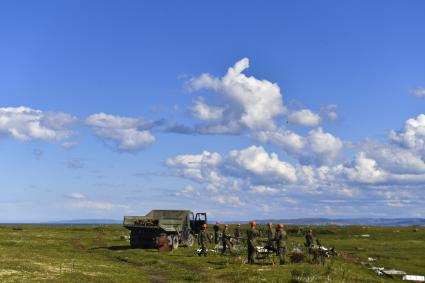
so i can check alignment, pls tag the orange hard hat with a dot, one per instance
(253, 223)
(281, 225)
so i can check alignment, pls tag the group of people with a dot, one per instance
(276, 239)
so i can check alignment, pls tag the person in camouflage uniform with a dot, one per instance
(270, 236)
(309, 239)
(225, 237)
(202, 240)
(238, 232)
(252, 235)
(216, 229)
(281, 237)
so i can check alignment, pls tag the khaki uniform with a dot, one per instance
(225, 240)
(281, 238)
(252, 235)
(270, 237)
(216, 229)
(309, 240)
(238, 233)
(202, 241)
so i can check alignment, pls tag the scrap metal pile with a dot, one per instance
(146, 222)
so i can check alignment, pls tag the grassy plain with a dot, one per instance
(31, 253)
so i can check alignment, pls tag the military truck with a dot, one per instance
(180, 227)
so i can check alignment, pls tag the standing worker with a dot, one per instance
(216, 229)
(309, 239)
(202, 240)
(270, 236)
(225, 238)
(252, 235)
(281, 238)
(238, 233)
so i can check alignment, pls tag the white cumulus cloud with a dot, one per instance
(258, 162)
(304, 117)
(128, 134)
(206, 112)
(325, 147)
(24, 123)
(412, 136)
(365, 170)
(285, 139)
(198, 167)
(253, 103)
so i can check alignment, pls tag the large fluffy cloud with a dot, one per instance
(325, 147)
(202, 167)
(318, 147)
(304, 117)
(412, 136)
(394, 159)
(253, 164)
(285, 139)
(253, 103)
(25, 123)
(206, 112)
(365, 170)
(261, 165)
(381, 173)
(128, 134)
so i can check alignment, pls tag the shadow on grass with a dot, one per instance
(113, 248)
(124, 248)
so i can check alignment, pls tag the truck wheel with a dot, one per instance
(190, 240)
(135, 240)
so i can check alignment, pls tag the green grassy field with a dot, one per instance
(100, 254)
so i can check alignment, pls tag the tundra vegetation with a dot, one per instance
(102, 254)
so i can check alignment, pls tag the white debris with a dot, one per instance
(365, 235)
(378, 270)
(264, 269)
(262, 250)
(297, 250)
(416, 278)
(371, 259)
(393, 272)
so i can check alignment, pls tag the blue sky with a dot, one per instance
(242, 109)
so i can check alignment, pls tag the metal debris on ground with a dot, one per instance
(388, 272)
(207, 250)
(416, 278)
(378, 270)
(393, 272)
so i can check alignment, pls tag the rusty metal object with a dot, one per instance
(164, 244)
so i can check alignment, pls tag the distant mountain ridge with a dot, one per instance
(353, 221)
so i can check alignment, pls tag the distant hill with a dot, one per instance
(345, 222)
(84, 222)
